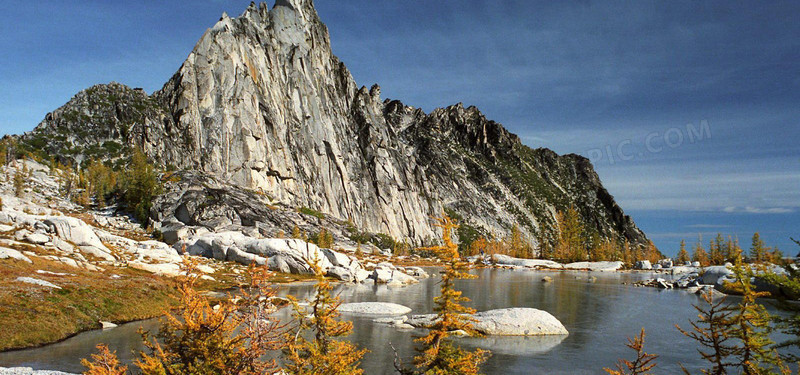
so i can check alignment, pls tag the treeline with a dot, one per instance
(722, 250)
(573, 242)
(233, 335)
(134, 183)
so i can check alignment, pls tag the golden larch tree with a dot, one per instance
(683, 255)
(437, 354)
(322, 354)
(105, 362)
(643, 363)
(227, 339)
(571, 244)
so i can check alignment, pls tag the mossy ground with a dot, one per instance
(32, 315)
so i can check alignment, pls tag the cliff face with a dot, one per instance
(261, 102)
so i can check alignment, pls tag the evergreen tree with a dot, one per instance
(683, 255)
(437, 354)
(758, 251)
(323, 354)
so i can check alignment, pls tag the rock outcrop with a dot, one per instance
(261, 102)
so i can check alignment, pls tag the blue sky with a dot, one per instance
(689, 110)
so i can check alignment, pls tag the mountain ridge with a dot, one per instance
(261, 101)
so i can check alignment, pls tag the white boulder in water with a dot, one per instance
(514, 321)
(518, 321)
(374, 308)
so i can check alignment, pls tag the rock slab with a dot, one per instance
(373, 308)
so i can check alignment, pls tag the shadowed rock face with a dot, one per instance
(262, 103)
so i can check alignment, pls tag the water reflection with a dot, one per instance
(599, 315)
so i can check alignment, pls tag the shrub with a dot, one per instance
(312, 212)
(230, 338)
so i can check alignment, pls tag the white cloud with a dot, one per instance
(758, 210)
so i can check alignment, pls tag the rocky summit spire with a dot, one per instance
(262, 102)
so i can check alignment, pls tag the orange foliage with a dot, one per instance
(229, 338)
(322, 355)
(437, 354)
(105, 362)
(641, 365)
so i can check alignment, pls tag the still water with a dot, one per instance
(599, 315)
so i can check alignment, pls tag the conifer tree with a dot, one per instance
(683, 255)
(732, 249)
(140, 186)
(3, 153)
(750, 324)
(322, 354)
(478, 245)
(105, 362)
(758, 251)
(699, 254)
(718, 256)
(101, 181)
(627, 254)
(651, 253)
(296, 232)
(712, 331)
(437, 354)
(571, 243)
(643, 363)
(66, 180)
(20, 180)
(324, 239)
(545, 248)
